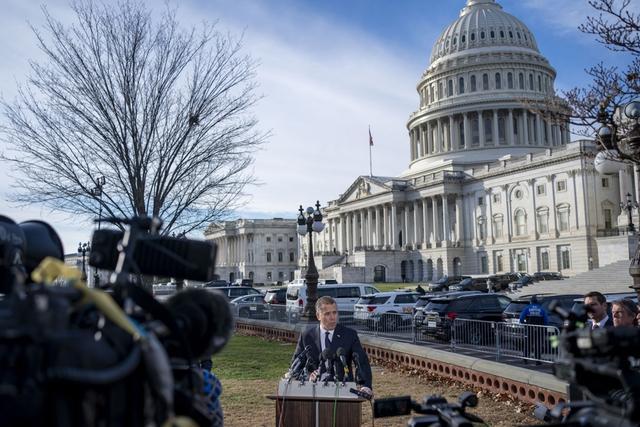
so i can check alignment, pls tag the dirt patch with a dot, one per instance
(245, 404)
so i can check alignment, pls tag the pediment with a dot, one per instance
(364, 187)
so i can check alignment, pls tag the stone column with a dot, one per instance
(429, 138)
(574, 188)
(481, 134)
(506, 213)
(495, 133)
(459, 237)
(434, 204)
(509, 128)
(446, 229)
(370, 231)
(394, 234)
(525, 120)
(330, 224)
(539, 131)
(554, 213)
(467, 131)
(405, 224)
(439, 142)
(451, 134)
(423, 139)
(534, 213)
(489, 216)
(549, 134)
(425, 222)
(386, 240)
(412, 143)
(416, 237)
(354, 230)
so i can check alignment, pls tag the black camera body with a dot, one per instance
(72, 357)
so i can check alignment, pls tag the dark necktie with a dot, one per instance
(327, 341)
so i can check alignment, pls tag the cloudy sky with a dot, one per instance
(328, 70)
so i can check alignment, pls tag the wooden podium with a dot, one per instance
(314, 404)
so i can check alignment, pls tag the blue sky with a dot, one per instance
(329, 69)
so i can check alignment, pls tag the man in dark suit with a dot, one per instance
(329, 334)
(596, 305)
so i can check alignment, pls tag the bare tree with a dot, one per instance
(163, 113)
(617, 27)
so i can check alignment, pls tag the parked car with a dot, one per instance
(387, 309)
(471, 284)
(276, 296)
(216, 284)
(511, 314)
(250, 306)
(547, 275)
(243, 282)
(500, 282)
(423, 301)
(232, 292)
(440, 313)
(523, 280)
(444, 282)
(345, 294)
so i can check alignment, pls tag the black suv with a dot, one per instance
(440, 313)
(547, 275)
(500, 282)
(424, 300)
(511, 314)
(444, 282)
(276, 296)
(471, 284)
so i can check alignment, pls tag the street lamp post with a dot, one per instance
(619, 136)
(307, 225)
(628, 206)
(97, 192)
(83, 248)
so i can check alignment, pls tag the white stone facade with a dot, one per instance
(492, 186)
(265, 250)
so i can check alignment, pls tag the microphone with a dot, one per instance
(205, 319)
(299, 362)
(309, 367)
(360, 393)
(326, 357)
(356, 361)
(338, 373)
(345, 366)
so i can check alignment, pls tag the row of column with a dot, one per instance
(427, 221)
(445, 134)
(231, 249)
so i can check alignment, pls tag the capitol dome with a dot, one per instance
(482, 23)
(483, 94)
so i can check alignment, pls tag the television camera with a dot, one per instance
(602, 365)
(75, 356)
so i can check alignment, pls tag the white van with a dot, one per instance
(345, 294)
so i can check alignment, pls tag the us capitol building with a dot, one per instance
(492, 185)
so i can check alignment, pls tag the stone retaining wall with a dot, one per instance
(526, 385)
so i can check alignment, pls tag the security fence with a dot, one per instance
(503, 340)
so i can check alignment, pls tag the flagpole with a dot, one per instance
(370, 162)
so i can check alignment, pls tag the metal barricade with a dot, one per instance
(433, 331)
(479, 335)
(529, 342)
(396, 325)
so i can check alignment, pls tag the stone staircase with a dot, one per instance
(611, 278)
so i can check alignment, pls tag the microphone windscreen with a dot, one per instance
(205, 319)
(340, 352)
(327, 354)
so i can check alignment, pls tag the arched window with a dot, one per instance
(440, 93)
(482, 228)
(498, 81)
(450, 87)
(473, 83)
(482, 35)
(431, 93)
(497, 226)
(510, 34)
(521, 223)
(493, 34)
(485, 82)
(539, 83)
(510, 80)
(464, 38)
(473, 36)
(530, 81)
(521, 81)
(461, 131)
(461, 85)
(501, 34)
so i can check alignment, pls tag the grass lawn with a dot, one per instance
(251, 358)
(385, 287)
